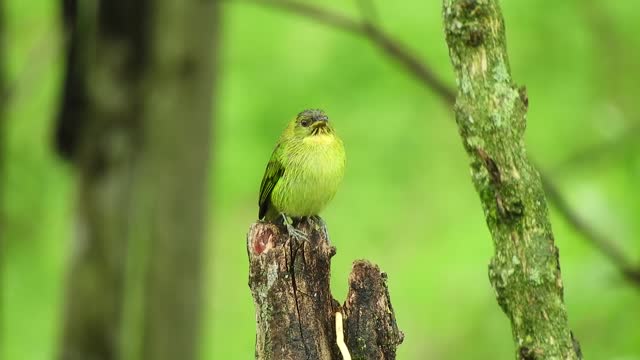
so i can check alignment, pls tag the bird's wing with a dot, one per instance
(272, 174)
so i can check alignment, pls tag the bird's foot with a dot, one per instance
(296, 234)
(291, 230)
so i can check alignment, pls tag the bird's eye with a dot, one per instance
(305, 122)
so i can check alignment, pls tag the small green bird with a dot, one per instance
(304, 171)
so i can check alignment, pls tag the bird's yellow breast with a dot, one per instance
(314, 168)
(320, 139)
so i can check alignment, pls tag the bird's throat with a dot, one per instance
(320, 139)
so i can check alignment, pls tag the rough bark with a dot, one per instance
(295, 311)
(290, 285)
(135, 120)
(491, 116)
(371, 328)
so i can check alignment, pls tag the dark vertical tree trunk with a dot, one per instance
(170, 186)
(135, 121)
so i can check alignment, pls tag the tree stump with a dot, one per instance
(295, 311)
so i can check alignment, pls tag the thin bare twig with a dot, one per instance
(394, 49)
(604, 150)
(389, 46)
(600, 241)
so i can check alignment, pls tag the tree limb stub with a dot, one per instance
(295, 311)
(369, 315)
(491, 115)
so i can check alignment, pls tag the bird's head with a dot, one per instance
(311, 123)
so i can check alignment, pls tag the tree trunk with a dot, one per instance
(135, 120)
(295, 311)
(491, 116)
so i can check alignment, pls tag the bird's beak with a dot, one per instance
(319, 127)
(319, 124)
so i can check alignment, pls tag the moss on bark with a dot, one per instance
(491, 116)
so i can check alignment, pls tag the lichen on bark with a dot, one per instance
(491, 116)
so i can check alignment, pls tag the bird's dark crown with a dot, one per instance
(313, 115)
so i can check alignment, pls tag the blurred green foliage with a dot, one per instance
(407, 202)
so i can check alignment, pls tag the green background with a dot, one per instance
(406, 203)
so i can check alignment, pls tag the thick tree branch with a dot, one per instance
(295, 311)
(491, 116)
(397, 51)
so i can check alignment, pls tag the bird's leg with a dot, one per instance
(288, 223)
